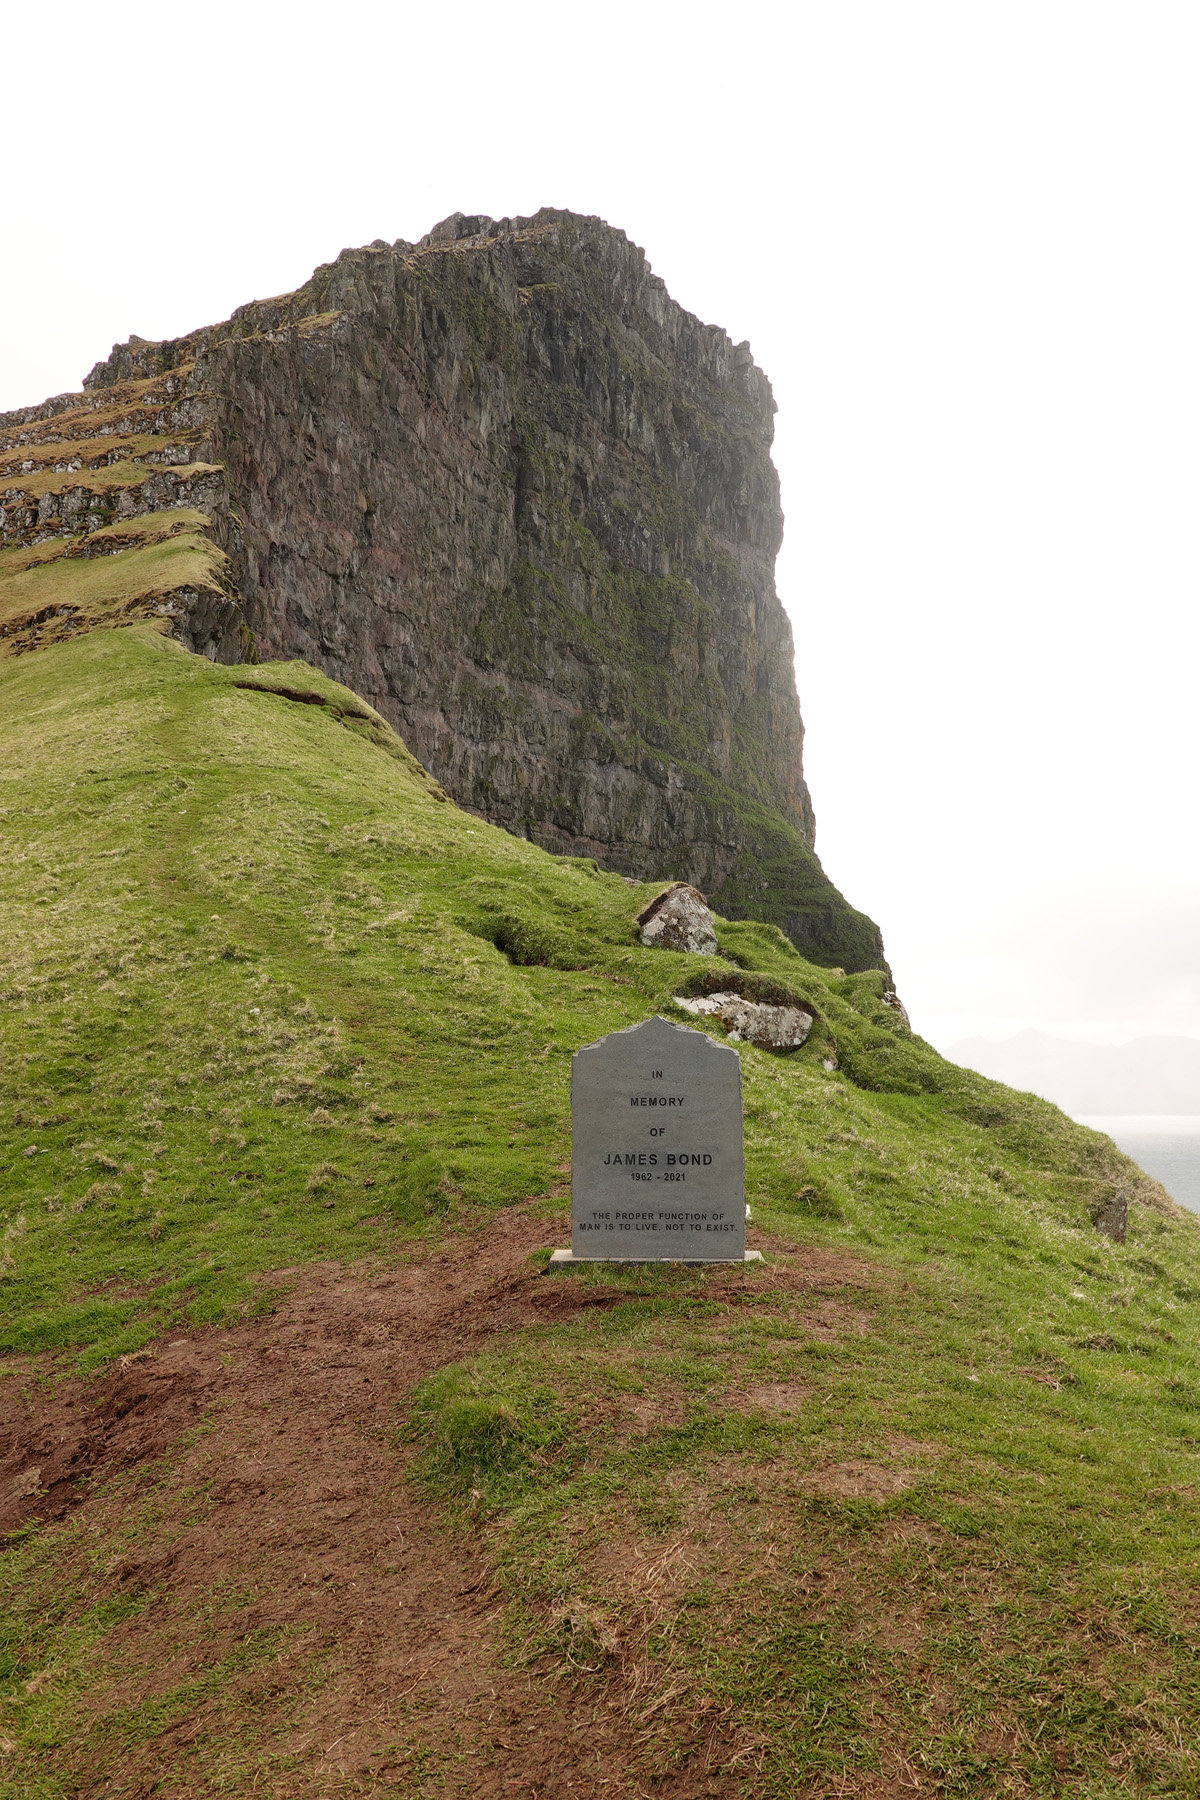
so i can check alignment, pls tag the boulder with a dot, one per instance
(752, 1021)
(678, 919)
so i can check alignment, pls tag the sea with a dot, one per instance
(1167, 1145)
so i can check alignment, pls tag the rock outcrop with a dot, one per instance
(752, 1021)
(502, 486)
(678, 919)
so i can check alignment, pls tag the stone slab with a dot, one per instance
(565, 1259)
(657, 1164)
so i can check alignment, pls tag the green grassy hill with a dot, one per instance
(912, 1507)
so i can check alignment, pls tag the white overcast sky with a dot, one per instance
(962, 241)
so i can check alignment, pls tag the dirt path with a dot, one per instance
(289, 1522)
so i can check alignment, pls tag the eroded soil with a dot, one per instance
(288, 1523)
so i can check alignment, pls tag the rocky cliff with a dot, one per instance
(507, 490)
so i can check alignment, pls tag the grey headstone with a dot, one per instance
(657, 1166)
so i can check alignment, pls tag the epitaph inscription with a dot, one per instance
(657, 1167)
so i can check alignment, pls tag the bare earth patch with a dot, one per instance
(856, 1479)
(769, 1397)
(662, 1408)
(778, 1396)
(287, 1522)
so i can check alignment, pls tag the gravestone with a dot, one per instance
(657, 1167)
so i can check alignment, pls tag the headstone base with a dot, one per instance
(559, 1259)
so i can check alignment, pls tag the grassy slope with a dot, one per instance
(121, 572)
(260, 982)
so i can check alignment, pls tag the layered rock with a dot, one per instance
(507, 490)
(106, 513)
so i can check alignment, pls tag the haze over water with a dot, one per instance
(1166, 1145)
(1144, 1093)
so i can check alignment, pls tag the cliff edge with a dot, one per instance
(500, 485)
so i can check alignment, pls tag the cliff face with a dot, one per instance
(503, 487)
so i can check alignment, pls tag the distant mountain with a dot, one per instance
(1147, 1075)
